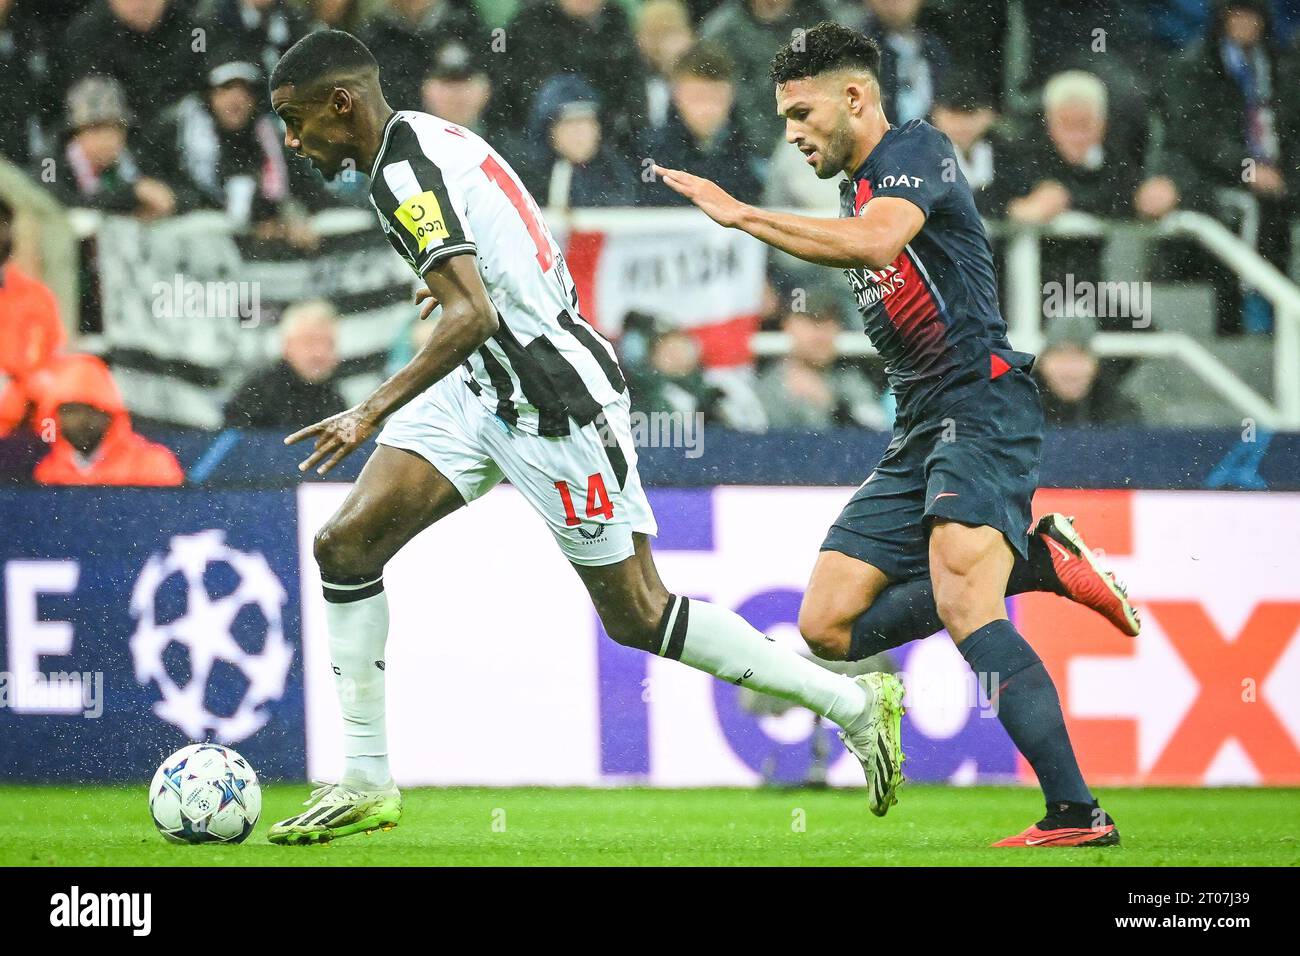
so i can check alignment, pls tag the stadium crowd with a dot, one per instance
(1126, 109)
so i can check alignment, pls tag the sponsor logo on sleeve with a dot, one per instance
(422, 216)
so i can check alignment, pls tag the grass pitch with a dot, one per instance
(932, 825)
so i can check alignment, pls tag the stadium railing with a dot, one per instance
(1025, 312)
(1024, 307)
(1025, 297)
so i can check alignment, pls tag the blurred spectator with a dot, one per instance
(405, 33)
(702, 134)
(336, 14)
(258, 30)
(791, 183)
(964, 112)
(569, 164)
(23, 64)
(751, 31)
(30, 330)
(809, 388)
(300, 388)
(913, 61)
(221, 150)
(589, 38)
(457, 87)
(94, 443)
(666, 373)
(671, 378)
(96, 170)
(1074, 390)
(1109, 39)
(146, 45)
(1230, 126)
(1072, 163)
(663, 34)
(1179, 23)
(1224, 108)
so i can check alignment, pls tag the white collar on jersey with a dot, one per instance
(383, 142)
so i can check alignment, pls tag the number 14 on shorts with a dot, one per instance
(598, 503)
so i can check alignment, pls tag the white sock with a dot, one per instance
(358, 629)
(722, 643)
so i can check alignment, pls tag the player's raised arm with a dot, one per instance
(873, 239)
(468, 319)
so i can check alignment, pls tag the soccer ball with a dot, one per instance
(205, 793)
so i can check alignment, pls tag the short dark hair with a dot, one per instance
(321, 55)
(706, 61)
(827, 46)
(6, 210)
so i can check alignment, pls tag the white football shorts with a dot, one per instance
(588, 493)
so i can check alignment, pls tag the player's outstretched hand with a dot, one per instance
(337, 436)
(430, 303)
(718, 204)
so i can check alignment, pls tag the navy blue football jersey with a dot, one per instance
(933, 312)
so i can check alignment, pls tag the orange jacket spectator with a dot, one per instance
(93, 440)
(30, 335)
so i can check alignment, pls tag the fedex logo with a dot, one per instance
(1206, 694)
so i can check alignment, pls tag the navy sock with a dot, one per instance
(905, 611)
(1028, 707)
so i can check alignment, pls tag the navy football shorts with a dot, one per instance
(974, 460)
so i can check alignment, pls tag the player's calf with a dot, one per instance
(636, 619)
(398, 495)
(629, 596)
(969, 568)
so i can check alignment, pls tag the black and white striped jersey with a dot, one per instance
(442, 191)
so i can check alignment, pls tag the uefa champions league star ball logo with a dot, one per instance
(225, 591)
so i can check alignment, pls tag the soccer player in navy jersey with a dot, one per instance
(940, 532)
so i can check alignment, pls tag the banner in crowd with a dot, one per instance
(134, 622)
(676, 266)
(190, 309)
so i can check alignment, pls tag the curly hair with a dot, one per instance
(827, 46)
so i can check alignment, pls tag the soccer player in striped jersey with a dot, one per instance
(512, 383)
(940, 530)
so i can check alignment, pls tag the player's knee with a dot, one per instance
(638, 622)
(826, 637)
(948, 602)
(962, 606)
(632, 630)
(340, 555)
